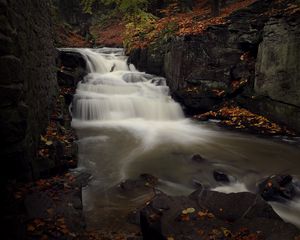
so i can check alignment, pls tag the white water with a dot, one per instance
(123, 93)
(128, 124)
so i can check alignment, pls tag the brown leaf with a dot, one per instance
(30, 228)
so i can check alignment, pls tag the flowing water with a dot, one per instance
(128, 124)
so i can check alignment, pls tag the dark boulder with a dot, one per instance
(207, 214)
(71, 59)
(198, 158)
(148, 178)
(277, 187)
(72, 68)
(220, 176)
(130, 188)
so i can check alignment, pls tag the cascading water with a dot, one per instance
(116, 91)
(128, 124)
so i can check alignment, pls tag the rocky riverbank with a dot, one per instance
(213, 215)
(204, 214)
(250, 58)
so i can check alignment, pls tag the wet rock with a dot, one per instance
(71, 60)
(276, 74)
(277, 187)
(208, 213)
(198, 158)
(152, 180)
(72, 69)
(134, 217)
(197, 183)
(82, 179)
(148, 60)
(144, 184)
(221, 176)
(129, 184)
(196, 102)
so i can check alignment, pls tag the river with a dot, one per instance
(128, 124)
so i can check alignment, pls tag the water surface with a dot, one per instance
(128, 124)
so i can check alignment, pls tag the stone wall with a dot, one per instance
(28, 82)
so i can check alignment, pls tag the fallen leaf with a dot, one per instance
(49, 143)
(30, 228)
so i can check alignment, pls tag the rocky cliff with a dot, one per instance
(28, 82)
(277, 75)
(251, 58)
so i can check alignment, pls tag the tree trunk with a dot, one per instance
(215, 10)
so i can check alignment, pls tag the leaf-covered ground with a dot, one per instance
(175, 23)
(109, 35)
(65, 36)
(243, 119)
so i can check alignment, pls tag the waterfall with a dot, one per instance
(128, 124)
(114, 90)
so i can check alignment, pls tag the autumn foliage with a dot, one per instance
(66, 37)
(243, 119)
(109, 35)
(177, 23)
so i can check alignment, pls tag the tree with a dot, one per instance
(129, 7)
(215, 7)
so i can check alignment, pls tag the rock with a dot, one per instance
(27, 69)
(71, 59)
(220, 176)
(277, 63)
(198, 158)
(197, 183)
(276, 73)
(252, 47)
(149, 179)
(82, 179)
(145, 183)
(208, 213)
(149, 60)
(151, 226)
(202, 101)
(72, 67)
(277, 187)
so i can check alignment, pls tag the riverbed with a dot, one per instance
(128, 124)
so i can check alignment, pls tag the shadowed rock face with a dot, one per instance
(72, 68)
(28, 82)
(209, 213)
(251, 46)
(277, 69)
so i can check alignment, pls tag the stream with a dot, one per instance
(128, 124)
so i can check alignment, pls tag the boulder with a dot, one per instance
(72, 68)
(208, 214)
(277, 187)
(221, 176)
(198, 158)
